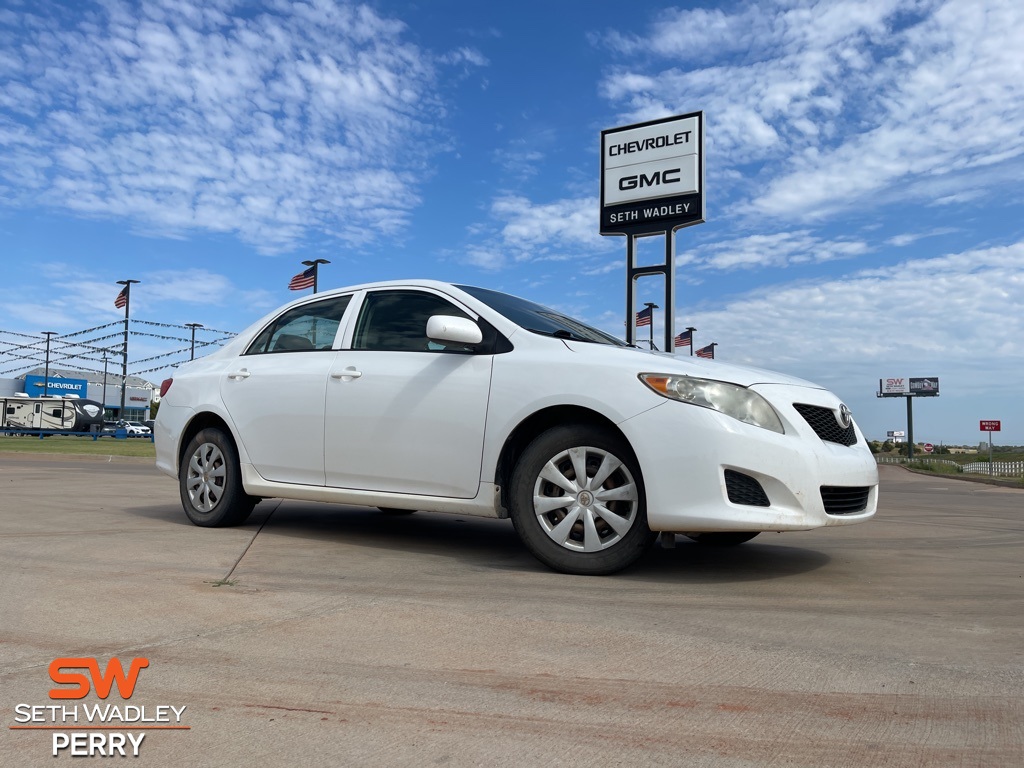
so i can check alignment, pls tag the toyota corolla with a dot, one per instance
(422, 395)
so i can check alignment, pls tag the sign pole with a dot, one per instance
(990, 454)
(910, 427)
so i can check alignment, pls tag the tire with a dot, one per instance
(723, 539)
(595, 532)
(395, 511)
(210, 481)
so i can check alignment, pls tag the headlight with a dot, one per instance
(731, 399)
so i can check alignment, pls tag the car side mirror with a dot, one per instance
(453, 330)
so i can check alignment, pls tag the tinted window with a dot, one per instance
(538, 318)
(309, 327)
(397, 321)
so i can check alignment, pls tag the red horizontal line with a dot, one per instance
(88, 727)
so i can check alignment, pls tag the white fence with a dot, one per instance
(996, 468)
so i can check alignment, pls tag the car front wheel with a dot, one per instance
(210, 481)
(577, 501)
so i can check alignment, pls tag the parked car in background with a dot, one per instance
(134, 428)
(422, 395)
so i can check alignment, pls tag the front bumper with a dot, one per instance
(685, 451)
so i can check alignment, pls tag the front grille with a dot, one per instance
(825, 425)
(844, 500)
(743, 489)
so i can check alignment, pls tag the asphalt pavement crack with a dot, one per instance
(252, 540)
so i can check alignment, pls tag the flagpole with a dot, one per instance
(691, 329)
(651, 306)
(124, 357)
(315, 264)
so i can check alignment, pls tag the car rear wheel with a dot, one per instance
(210, 481)
(723, 539)
(577, 501)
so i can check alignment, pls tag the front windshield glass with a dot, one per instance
(538, 318)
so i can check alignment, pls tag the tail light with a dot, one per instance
(165, 385)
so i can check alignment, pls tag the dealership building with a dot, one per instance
(88, 385)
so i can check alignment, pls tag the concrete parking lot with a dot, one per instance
(319, 635)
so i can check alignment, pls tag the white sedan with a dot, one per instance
(421, 395)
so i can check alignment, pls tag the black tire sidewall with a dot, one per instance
(546, 445)
(234, 505)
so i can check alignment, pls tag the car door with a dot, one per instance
(274, 392)
(406, 414)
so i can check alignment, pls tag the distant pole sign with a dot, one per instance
(910, 388)
(991, 426)
(652, 176)
(928, 447)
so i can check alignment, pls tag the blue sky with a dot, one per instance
(865, 204)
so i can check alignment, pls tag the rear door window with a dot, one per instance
(307, 328)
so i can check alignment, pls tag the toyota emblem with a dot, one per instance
(845, 417)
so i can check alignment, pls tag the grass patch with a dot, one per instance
(222, 582)
(68, 445)
(939, 469)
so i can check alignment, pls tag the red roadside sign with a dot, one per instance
(990, 426)
(928, 447)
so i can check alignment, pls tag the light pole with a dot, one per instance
(315, 264)
(104, 396)
(193, 326)
(46, 374)
(127, 291)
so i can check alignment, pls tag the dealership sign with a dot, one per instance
(36, 385)
(652, 176)
(927, 386)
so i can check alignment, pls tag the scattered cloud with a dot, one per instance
(912, 317)
(908, 238)
(288, 121)
(522, 231)
(843, 102)
(781, 249)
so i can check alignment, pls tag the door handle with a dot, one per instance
(346, 375)
(242, 374)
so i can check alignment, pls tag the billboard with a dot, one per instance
(893, 386)
(652, 176)
(924, 387)
(927, 386)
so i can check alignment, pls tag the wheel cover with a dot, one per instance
(585, 499)
(206, 477)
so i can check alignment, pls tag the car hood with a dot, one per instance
(644, 361)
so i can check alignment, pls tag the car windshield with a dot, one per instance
(540, 319)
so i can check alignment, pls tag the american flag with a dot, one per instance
(122, 298)
(302, 280)
(707, 352)
(684, 339)
(644, 316)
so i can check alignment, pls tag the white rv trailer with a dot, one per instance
(49, 414)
